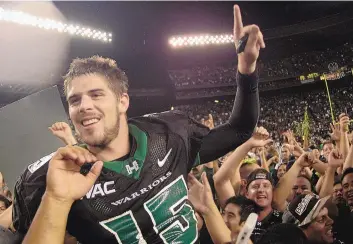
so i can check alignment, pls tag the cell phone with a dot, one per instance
(248, 228)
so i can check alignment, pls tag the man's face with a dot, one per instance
(320, 230)
(260, 191)
(231, 216)
(301, 186)
(2, 207)
(285, 154)
(347, 186)
(281, 171)
(326, 150)
(95, 110)
(337, 195)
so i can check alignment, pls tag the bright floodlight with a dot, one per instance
(202, 40)
(22, 18)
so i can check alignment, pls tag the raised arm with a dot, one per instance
(336, 134)
(264, 163)
(335, 161)
(348, 163)
(318, 165)
(245, 113)
(282, 190)
(344, 142)
(200, 195)
(228, 168)
(222, 178)
(226, 173)
(63, 131)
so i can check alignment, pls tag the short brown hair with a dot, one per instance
(327, 142)
(117, 79)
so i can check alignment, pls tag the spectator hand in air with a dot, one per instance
(63, 131)
(335, 159)
(209, 122)
(260, 138)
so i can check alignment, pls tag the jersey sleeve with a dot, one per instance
(191, 131)
(240, 125)
(28, 193)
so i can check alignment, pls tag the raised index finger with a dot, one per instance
(238, 22)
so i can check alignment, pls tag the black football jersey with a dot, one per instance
(140, 199)
(274, 218)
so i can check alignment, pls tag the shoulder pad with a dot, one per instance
(36, 165)
(165, 113)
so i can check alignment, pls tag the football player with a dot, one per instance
(127, 183)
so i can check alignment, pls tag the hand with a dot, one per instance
(344, 122)
(209, 122)
(63, 131)
(306, 159)
(200, 194)
(247, 59)
(64, 180)
(335, 159)
(296, 150)
(290, 136)
(335, 135)
(260, 138)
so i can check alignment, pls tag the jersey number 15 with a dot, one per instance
(165, 210)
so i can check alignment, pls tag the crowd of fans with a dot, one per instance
(294, 66)
(288, 185)
(229, 90)
(284, 111)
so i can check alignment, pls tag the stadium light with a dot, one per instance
(22, 18)
(201, 40)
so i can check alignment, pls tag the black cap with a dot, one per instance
(259, 174)
(305, 208)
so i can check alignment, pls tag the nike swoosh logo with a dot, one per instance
(162, 162)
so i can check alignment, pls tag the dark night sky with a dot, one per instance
(138, 26)
(141, 29)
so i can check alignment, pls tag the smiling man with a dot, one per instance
(127, 184)
(345, 206)
(300, 186)
(314, 217)
(260, 190)
(237, 210)
(347, 187)
(337, 195)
